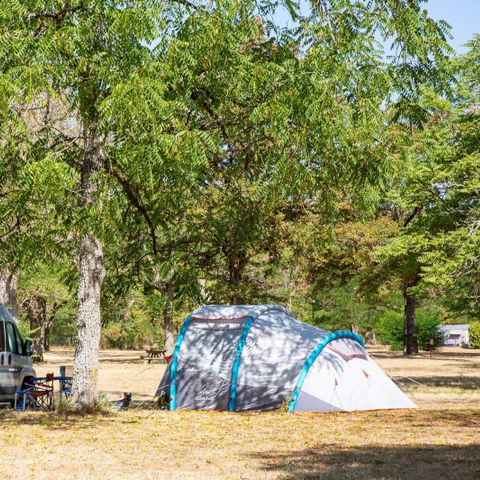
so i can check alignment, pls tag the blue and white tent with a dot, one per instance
(258, 357)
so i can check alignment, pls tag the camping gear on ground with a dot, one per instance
(122, 404)
(36, 395)
(65, 382)
(258, 357)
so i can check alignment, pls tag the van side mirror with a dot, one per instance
(27, 348)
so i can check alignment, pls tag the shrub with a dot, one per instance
(391, 329)
(474, 334)
(427, 327)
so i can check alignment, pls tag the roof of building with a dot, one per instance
(458, 327)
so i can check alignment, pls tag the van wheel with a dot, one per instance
(27, 381)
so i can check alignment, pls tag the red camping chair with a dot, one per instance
(37, 396)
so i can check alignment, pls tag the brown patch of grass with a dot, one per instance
(438, 440)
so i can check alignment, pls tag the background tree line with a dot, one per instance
(160, 155)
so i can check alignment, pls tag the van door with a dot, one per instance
(5, 387)
(15, 358)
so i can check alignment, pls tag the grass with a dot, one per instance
(438, 440)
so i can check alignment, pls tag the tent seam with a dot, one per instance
(174, 364)
(236, 363)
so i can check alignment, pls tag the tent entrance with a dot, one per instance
(205, 363)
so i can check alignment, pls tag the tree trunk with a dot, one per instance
(37, 307)
(237, 261)
(91, 273)
(46, 342)
(410, 324)
(168, 343)
(8, 289)
(5, 275)
(85, 372)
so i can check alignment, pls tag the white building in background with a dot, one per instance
(455, 335)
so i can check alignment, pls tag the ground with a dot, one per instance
(439, 440)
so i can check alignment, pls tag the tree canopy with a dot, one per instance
(159, 155)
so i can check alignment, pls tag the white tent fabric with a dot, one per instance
(258, 357)
(345, 378)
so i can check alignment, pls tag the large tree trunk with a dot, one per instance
(8, 289)
(5, 275)
(37, 307)
(91, 273)
(410, 324)
(169, 343)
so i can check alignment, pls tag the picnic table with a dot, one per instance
(155, 353)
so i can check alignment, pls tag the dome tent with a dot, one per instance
(257, 357)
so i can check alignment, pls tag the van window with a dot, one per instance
(19, 339)
(13, 345)
(2, 336)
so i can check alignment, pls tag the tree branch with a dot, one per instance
(134, 200)
(417, 210)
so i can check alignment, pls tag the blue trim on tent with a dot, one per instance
(236, 364)
(174, 364)
(313, 356)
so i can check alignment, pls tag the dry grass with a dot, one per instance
(439, 440)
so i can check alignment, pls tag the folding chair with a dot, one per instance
(37, 396)
(66, 380)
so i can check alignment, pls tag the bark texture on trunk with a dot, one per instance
(37, 313)
(91, 273)
(410, 324)
(5, 275)
(85, 371)
(8, 289)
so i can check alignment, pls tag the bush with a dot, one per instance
(391, 329)
(427, 327)
(474, 334)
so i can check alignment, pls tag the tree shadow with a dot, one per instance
(58, 421)
(460, 382)
(444, 355)
(333, 462)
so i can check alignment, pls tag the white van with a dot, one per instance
(15, 357)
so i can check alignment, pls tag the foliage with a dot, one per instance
(391, 330)
(474, 334)
(244, 169)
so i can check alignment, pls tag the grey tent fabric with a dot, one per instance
(275, 350)
(251, 357)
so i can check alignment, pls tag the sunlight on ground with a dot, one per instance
(439, 440)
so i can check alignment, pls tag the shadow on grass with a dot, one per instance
(60, 421)
(445, 355)
(440, 381)
(329, 462)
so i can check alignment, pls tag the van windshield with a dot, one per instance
(4, 313)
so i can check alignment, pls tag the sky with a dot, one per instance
(462, 15)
